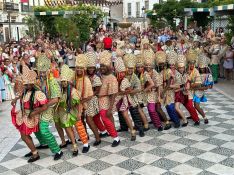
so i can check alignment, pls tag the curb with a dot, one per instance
(224, 93)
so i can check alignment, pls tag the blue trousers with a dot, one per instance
(172, 113)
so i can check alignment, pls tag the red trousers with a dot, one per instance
(105, 124)
(188, 104)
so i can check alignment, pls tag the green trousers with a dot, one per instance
(45, 137)
(215, 71)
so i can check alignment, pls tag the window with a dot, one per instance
(1, 5)
(129, 10)
(138, 9)
(147, 5)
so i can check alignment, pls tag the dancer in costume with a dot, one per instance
(139, 120)
(67, 110)
(169, 95)
(214, 51)
(151, 80)
(92, 105)
(85, 91)
(51, 89)
(140, 96)
(32, 104)
(161, 60)
(124, 100)
(107, 94)
(206, 83)
(182, 92)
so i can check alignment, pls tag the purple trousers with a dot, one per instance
(154, 115)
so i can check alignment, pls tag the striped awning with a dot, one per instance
(211, 10)
(197, 10)
(224, 7)
(50, 13)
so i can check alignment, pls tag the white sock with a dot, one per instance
(85, 145)
(116, 139)
(104, 132)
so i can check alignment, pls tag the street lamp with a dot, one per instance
(143, 13)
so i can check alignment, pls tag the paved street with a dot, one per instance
(204, 150)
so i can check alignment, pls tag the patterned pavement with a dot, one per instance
(203, 150)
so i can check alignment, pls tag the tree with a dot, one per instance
(73, 28)
(171, 9)
(175, 9)
(33, 26)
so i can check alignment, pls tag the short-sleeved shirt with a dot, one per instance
(96, 81)
(183, 79)
(84, 87)
(54, 92)
(150, 97)
(109, 87)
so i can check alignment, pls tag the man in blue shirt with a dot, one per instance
(163, 38)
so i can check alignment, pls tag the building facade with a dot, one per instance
(16, 11)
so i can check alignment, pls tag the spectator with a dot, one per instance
(107, 41)
(210, 33)
(228, 63)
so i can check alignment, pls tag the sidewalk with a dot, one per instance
(9, 135)
(225, 87)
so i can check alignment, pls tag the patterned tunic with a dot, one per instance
(136, 85)
(152, 96)
(194, 77)
(55, 92)
(84, 88)
(169, 96)
(68, 118)
(206, 80)
(93, 108)
(123, 102)
(20, 118)
(162, 83)
(109, 87)
(182, 79)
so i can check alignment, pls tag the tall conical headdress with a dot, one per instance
(105, 58)
(172, 57)
(91, 59)
(119, 65)
(139, 60)
(29, 76)
(181, 61)
(160, 57)
(67, 74)
(81, 60)
(19, 85)
(149, 57)
(129, 60)
(191, 56)
(43, 63)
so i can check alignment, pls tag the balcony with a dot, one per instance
(10, 6)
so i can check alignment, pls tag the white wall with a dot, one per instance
(133, 6)
(117, 12)
(21, 27)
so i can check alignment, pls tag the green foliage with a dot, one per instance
(175, 9)
(230, 32)
(33, 26)
(75, 28)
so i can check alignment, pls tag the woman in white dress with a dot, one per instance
(228, 63)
